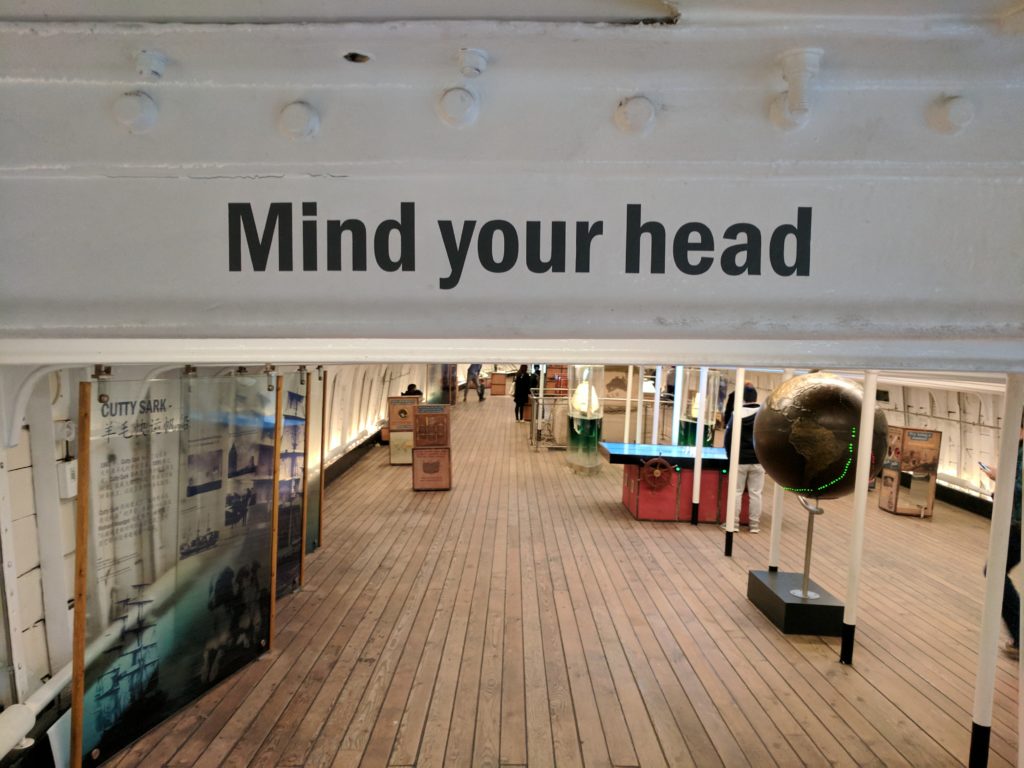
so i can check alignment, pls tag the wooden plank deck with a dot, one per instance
(523, 618)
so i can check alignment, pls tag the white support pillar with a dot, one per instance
(999, 536)
(656, 419)
(734, 459)
(629, 403)
(677, 402)
(860, 505)
(778, 502)
(48, 514)
(639, 405)
(698, 447)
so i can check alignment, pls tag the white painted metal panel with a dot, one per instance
(22, 504)
(154, 261)
(30, 595)
(19, 456)
(26, 547)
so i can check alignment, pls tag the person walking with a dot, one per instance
(473, 380)
(521, 391)
(749, 472)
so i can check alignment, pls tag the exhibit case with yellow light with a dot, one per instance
(585, 413)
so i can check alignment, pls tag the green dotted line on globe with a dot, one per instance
(849, 461)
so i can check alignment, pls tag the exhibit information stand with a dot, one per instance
(400, 428)
(431, 453)
(912, 454)
(657, 481)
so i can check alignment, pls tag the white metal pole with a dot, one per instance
(734, 460)
(656, 419)
(677, 398)
(778, 501)
(999, 536)
(629, 404)
(698, 447)
(860, 505)
(639, 405)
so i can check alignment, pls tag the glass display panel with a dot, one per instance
(290, 484)
(315, 392)
(179, 547)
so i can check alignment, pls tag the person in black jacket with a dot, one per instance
(521, 391)
(749, 472)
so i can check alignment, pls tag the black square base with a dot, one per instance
(795, 615)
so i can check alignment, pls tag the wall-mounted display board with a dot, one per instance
(914, 454)
(401, 422)
(291, 485)
(431, 455)
(174, 571)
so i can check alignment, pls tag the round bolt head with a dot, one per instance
(950, 114)
(136, 111)
(150, 64)
(458, 107)
(635, 115)
(473, 62)
(299, 120)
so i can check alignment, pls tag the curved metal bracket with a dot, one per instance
(16, 385)
(810, 506)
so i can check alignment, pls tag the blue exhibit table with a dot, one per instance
(676, 455)
(667, 495)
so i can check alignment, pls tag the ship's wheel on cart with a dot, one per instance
(656, 473)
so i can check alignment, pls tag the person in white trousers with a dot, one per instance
(749, 472)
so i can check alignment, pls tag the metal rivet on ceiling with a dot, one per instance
(635, 115)
(150, 64)
(472, 62)
(299, 120)
(136, 111)
(459, 107)
(950, 114)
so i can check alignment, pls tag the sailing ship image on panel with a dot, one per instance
(128, 692)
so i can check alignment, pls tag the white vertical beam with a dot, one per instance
(656, 419)
(629, 403)
(639, 405)
(677, 404)
(734, 457)
(698, 447)
(48, 513)
(999, 536)
(860, 504)
(778, 502)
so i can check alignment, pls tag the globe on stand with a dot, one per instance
(805, 435)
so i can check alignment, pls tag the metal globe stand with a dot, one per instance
(790, 600)
(812, 510)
